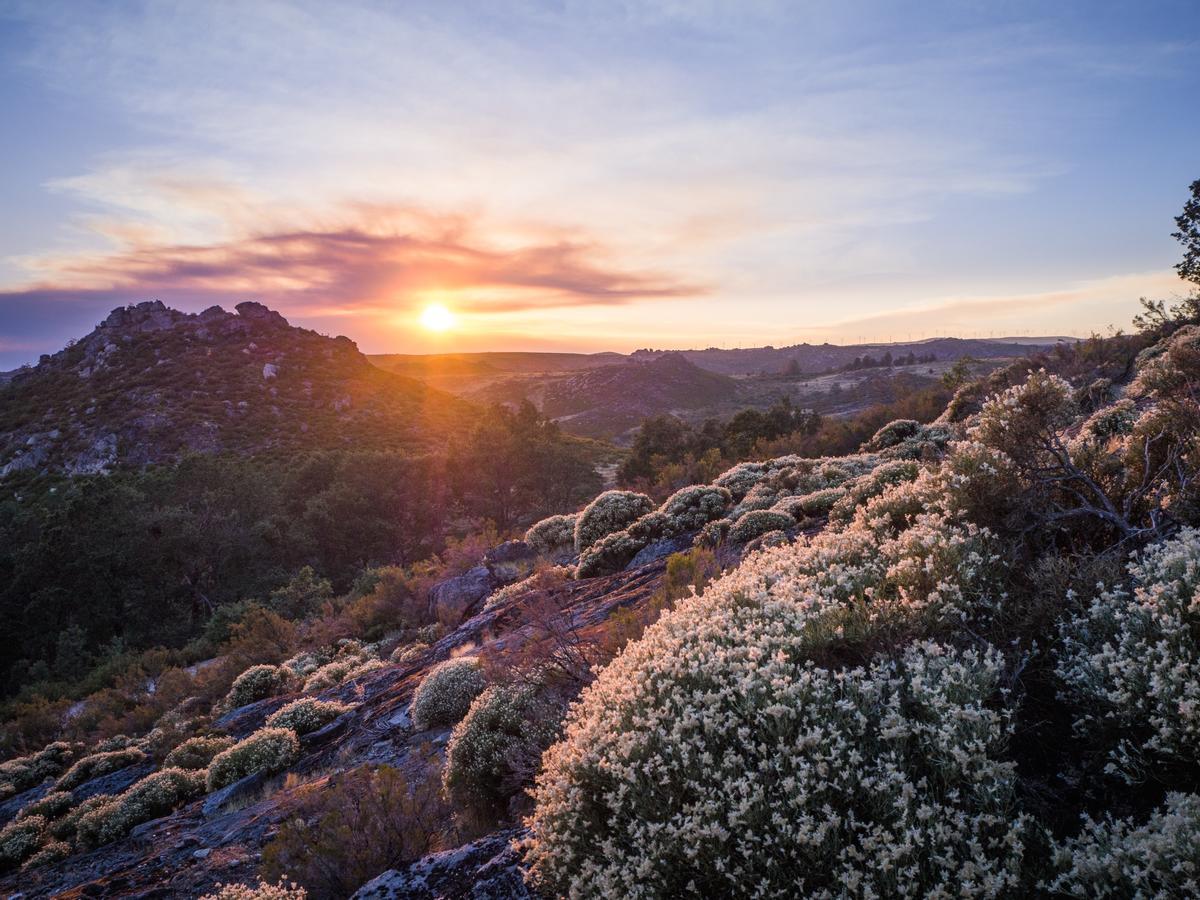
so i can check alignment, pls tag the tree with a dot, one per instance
(1188, 234)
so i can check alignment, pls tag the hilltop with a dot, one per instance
(150, 384)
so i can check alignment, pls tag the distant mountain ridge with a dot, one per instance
(150, 384)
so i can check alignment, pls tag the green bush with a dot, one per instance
(690, 508)
(66, 827)
(24, 772)
(757, 522)
(154, 796)
(307, 714)
(267, 750)
(50, 807)
(50, 852)
(99, 764)
(258, 683)
(611, 511)
(495, 750)
(552, 536)
(197, 752)
(610, 554)
(19, 840)
(446, 692)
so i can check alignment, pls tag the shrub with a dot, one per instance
(610, 554)
(408, 652)
(611, 511)
(51, 806)
(24, 772)
(543, 578)
(1116, 858)
(280, 890)
(306, 715)
(742, 478)
(65, 828)
(552, 536)
(99, 764)
(258, 683)
(714, 758)
(759, 521)
(267, 750)
(1024, 420)
(818, 503)
(690, 508)
(446, 692)
(19, 840)
(153, 796)
(871, 485)
(1131, 664)
(352, 661)
(893, 433)
(50, 852)
(495, 750)
(354, 826)
(714, 533)
(197, 752)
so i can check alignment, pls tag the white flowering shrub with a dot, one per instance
(50, 852)
(611, 511)
(306, 714)
(49, 806)
(64, 827)
(612, 553)
(1131, 663)
(714, 758)
(497, 746)
(690, 508)
(1117, 858)
(267, 750)
(815, 504)
(351, 661)
(24, 772)
(258, 683)
(281, 890)
(552, 536)
(740, 479)
(1023, 420)
(869, 485)
(197, 752)
(714, 533)
(152, 797)
(541, 579)
(893, 433)
(446, 692)
(19, 840)
(304, 664)
(98, 764)
(759, 521)
(408, 652)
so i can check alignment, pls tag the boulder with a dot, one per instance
(270, 370)
(489, 867)
(452, 599)
(248, 309)
(509, 562)
(659, 549)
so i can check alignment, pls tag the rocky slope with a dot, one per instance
(151, 383)
(219, 838)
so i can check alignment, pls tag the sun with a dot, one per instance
(437, 318)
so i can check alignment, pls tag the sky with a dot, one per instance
(596, 175)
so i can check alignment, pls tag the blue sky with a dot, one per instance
(596, 175)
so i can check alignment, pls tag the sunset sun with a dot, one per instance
(437, 318)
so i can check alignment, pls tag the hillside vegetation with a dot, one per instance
(957, 661)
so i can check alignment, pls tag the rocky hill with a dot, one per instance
(613, 398)
(152, 383)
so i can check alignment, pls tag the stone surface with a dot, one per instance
(454, 598)
(660, 549)
(487, 868)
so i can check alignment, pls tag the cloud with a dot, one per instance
(349, 270)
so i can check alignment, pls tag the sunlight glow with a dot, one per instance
(437, 318)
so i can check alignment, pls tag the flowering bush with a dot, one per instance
(197, 752)
(50, 852)
(19, 840)
(24, 772)
(1121, 859)
(611, 553)
(49, 806)
(552, 535)
(542, 578)
(445, 694)
(759, 521)
(870, 485)
(408, 652)
(690, 508)
(306, 714)
(715, 758)
(281, 890)
(497, 746)
(714, 533)
(267, 750)
(1024, 420)
(817, 503)
(1131, 664)
(611, 511)
(352, 661)
(153, 796)
(258, 683)
(893, 433)
(98, 764)
(64, 828)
